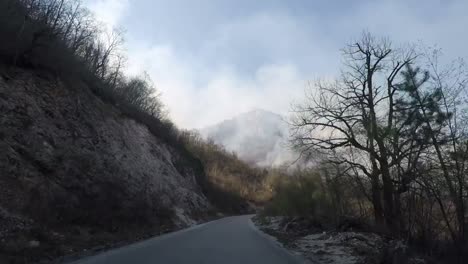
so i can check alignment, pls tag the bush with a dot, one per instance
(299, 195)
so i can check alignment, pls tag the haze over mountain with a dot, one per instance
(258, 137)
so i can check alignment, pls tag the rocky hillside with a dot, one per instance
(259, 137)
(76, 173)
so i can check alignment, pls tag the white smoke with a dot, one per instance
(258, 137)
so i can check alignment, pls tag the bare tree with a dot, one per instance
(401, 132)
(356, 116)
(447, 122)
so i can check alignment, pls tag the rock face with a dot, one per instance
(66, 157)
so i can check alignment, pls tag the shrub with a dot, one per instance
(299, 195)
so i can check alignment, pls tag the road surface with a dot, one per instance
(227, 241)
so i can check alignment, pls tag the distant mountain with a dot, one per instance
(258, 137)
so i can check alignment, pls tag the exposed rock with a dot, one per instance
(336, 247)
(68, 159)
(10, 223)
(342, 247)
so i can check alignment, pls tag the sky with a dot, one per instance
(214, 59)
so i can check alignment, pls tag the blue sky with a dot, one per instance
(213, 59)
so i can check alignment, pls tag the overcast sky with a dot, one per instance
(213, 59)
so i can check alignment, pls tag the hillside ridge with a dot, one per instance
(72, 165)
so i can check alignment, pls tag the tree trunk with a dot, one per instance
(377, 202)
(389, 209)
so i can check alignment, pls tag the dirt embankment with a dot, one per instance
(75, 173)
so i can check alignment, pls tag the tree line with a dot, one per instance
(63, 38)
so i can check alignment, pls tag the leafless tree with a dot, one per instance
(399, 130)
(357, 116)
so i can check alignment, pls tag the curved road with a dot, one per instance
(229, 240)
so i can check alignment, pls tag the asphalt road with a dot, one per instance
(228, 240)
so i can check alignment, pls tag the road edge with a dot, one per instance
(278, 245)
(83, 258)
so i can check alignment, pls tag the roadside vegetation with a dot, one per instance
(234, 185)
(389, 137)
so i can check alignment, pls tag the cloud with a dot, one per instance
(241, 65)
(432, 22)
(214, 63)
(205, 87)
(195, 101)
(109, 12)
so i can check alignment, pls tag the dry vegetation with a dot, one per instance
(227, 173)
(391, 132)
(62, 37)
